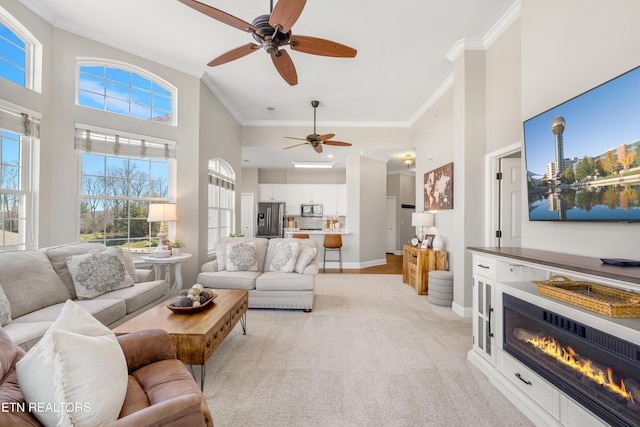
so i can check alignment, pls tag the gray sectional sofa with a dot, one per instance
(35, 284)
(268, 280)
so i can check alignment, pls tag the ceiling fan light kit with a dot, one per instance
(273, 32)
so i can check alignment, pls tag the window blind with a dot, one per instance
(219, 181)
(90, 141)
(20, 123)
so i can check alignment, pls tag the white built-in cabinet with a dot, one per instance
(333, 197)
(484, 309)
(499, 271)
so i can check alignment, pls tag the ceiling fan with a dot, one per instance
(316, 140)
(272, 32)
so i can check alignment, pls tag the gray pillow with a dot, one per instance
(129, 264)
(30, 283)
(97, 273)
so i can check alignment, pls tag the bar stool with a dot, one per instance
(332, 242)
(300, 236)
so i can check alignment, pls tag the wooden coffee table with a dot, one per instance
(197, 335)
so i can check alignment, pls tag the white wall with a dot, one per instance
(205, 129)
(569, 47)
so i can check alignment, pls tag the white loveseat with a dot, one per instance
(267, 289)
(35, 284)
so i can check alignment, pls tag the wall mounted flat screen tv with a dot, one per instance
(583, 156)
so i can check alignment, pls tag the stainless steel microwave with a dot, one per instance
(311, 210)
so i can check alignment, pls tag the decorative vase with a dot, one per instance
(438, 244)
(176, 251)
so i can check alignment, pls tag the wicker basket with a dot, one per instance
(599, 298)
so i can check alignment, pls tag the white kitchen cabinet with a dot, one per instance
(341, 199)
(329, 199)
(272, 192)
(294, 198)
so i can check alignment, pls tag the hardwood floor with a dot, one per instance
(393, 266)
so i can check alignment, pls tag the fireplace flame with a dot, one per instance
(568, 357)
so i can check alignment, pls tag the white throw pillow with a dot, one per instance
(5, 309)
(307, 254)
(285, 256)
(129, 264)
(76, 375)
(242, 256)
(97, 273)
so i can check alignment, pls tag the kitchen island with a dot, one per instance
(318, 235)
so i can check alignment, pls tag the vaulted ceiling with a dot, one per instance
(401, 62)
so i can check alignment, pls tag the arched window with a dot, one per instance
(222, 195)
(20, 53)
(125, 89)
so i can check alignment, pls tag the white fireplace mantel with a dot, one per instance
(511, 270)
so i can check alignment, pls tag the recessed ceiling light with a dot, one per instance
(330, 156)
(320, 165)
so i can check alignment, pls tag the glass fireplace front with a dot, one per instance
(598, 370)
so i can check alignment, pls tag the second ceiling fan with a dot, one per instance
(273, 32)
(315, 140)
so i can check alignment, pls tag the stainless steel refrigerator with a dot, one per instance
(270, 220)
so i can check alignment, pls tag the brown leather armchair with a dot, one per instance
(160, 390)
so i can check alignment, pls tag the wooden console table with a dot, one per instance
(416, 265)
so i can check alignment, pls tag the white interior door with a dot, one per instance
(391, 224)
(247, 215)
(511, 202)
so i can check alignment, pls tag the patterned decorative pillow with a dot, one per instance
(307, 255)
(129, 264)
(285, 256)
(241, 256)
(97, 273)
(5, 308)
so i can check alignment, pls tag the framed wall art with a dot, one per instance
(438, 188)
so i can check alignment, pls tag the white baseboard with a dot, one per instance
(461, 310)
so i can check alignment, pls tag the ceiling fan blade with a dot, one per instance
(293, 137)
(297, 145)
(340, 143)
(325, 137)
(234, 54)
(219, 15)
(285, 67)
(317, 147)
(286, 13)
(317, 46)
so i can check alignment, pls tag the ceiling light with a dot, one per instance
(409, 160)
(325, 165)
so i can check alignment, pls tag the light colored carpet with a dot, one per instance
(372, 353)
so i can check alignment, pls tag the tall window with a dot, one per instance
(18, 133)
(20, 53)
(222, 180)
(125, 90)
(121, 175)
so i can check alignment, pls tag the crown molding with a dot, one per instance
(498, 28)
(503, 23)
(374, 156)
(440, 90)
(40, 9)
(209, 83)
(300, 123)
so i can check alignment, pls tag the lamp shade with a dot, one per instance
(159, 212)
(422, 219)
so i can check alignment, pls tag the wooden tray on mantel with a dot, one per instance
(594, 297)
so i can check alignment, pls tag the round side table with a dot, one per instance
(167, 262)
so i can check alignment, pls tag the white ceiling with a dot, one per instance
(403, 46)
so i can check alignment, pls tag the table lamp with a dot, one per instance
(161, 212)
(421, 220)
